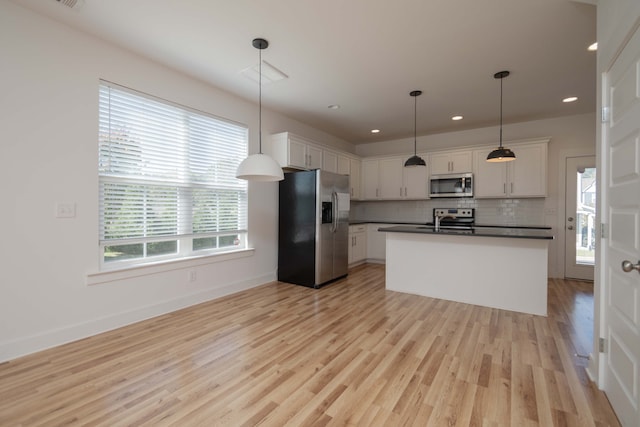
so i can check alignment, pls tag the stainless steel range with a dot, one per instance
(453, 218)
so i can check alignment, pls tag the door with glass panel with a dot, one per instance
(580, 225)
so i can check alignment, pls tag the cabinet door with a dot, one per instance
(344, 165)
(359, 250)
(440, 163)
(528, 173)
(376, 242)
(461, 162)
(354, 178)
(297, 154)
(451, 162)
(415, 184)
(390, 178)
(329, 161)
(490, 179)
(314, 157)
(369, 182)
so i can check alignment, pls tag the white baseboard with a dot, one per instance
(55, 337)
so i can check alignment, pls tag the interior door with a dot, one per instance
(580, 226)
(621, 210)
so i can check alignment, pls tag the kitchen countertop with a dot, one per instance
(483, 231)
(421, 224)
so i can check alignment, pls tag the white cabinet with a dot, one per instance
(369, 180)
(382, 179)
(388, 179)
(344, 165)
(450, 162)
(357, 243)
(354, 178)
(414, 179)
(292, 151)
(330, 161)
(376, 243)
(524, 177)
(350, 166)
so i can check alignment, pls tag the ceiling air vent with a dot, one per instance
(68, 3)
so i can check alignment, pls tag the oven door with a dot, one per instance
(455, 185)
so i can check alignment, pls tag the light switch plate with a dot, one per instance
(65, 210)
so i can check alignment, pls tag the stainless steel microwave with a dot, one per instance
(451, 185)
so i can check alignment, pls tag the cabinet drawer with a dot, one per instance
(357, 228)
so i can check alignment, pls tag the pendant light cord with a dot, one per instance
(415, 120)
(260, 101)
(501, 79)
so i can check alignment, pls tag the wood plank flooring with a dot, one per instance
(350, 353)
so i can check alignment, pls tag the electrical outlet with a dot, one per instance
(65, 210)
(192, 275)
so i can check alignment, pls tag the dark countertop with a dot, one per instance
(484, 231)
(526, 227)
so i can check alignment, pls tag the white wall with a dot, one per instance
(570, 136)
(48, 117)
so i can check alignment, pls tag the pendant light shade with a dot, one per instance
(260, 167)
(415, 160)
(501, 154)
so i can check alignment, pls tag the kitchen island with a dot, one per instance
(496, 267)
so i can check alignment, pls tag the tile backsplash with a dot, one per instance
(488, 211)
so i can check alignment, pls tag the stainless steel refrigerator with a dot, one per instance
(313, 230)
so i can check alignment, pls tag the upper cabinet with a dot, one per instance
(292, 151)
(524, 177)
(388, 179)
(295, 152)
(329, 161)
(450, 162)
(350, 166)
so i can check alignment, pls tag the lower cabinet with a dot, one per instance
(357, 243)
(377, 242)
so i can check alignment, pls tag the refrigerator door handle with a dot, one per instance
(334, 199)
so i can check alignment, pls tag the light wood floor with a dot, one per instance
(350, 353)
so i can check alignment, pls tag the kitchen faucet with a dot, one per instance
(437, 220)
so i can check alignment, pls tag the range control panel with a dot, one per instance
(454, 212)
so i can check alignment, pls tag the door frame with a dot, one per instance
(562, 197)
(582, 270)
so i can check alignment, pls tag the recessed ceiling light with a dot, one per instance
(375, 130)
(333, 107)
(593, 47)
(570, 99)
(456, 118)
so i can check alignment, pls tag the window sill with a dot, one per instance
(163, 266)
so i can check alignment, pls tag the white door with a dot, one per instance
(621, 211)
(580, 209)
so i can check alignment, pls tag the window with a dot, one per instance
(167, 180)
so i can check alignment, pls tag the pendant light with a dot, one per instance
(415, 160)
(260, 167)
(501, 154)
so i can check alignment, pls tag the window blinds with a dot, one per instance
(165, 170)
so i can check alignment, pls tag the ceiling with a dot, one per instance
(367, 55)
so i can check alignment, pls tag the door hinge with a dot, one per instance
(603, 230)
(605, 114)
(601, 343)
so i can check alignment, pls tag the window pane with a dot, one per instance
(204, 243)
(585, 217)
(123, 252)
(226, 241)
(162, 248)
